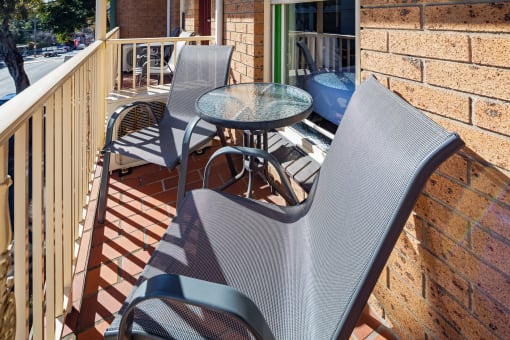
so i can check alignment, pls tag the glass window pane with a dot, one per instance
(320, 55)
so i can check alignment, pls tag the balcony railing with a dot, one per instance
(331, 52)
(147, 64)
(50, 137)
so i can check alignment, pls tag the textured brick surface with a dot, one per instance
(407, 269)
(485, 17)
(409, 246)
(486, 278)
(459, 197)
(396, 65)
(491, 50)
(407, 325)
(491, 313)
(496, 219)
(431, 45)
(376, 40)
(489, 146)
(490, 181)
(245, 22)
(492, 116)
(140, 19)
(445, 103)
(372, 2)
(427, 316)
(444, 218)
(460, 318)
(455, 167)
(485, 81)
(491, 249)
(439, 272)
(460, 235)
(396, 17)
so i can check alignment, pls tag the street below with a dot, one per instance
(36, 68)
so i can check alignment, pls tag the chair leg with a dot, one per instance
(103, 188)
(230, 162)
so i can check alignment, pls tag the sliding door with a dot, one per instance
(314, 48)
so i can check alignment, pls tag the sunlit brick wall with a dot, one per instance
(449, 276)
(244, 25)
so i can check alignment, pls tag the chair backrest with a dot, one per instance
(199, 68)
(177, 48)
(383, 153)
(308, 56)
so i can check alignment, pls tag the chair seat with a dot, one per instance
(261, 258)
(156, 145)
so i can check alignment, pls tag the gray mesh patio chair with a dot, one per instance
(234, 268)
(199, 69)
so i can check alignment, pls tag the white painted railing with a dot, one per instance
(131, 71)
(56, 128)
(331, 52)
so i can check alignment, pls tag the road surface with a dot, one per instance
(36, 68)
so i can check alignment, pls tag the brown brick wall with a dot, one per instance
(243, 28)
(449, 275)
(145, 18)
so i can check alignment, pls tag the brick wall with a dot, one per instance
(449, 275)
(243, 28)
(145, 18)
(191, 18)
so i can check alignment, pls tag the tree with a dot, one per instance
(64, 17)
(9, 10)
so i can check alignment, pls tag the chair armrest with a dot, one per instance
(186, 139)
(202, 294)
(116, 114)
(253, 152)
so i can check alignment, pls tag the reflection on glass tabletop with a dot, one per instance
(254, 106)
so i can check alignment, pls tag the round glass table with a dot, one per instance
(255, 108)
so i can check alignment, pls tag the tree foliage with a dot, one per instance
(64, 17)
(10, 10)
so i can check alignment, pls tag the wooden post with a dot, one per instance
(7, 302)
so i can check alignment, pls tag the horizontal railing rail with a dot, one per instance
(148, 64)
(330, 52)
(50, 135)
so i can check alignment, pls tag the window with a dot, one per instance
(315, 50)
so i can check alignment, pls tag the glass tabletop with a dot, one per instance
(254, 106)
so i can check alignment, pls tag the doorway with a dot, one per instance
(204, 17)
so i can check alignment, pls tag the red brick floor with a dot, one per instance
(140, 207)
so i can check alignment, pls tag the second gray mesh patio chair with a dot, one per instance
(233, 268)
(169, 66)
(199, 69)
